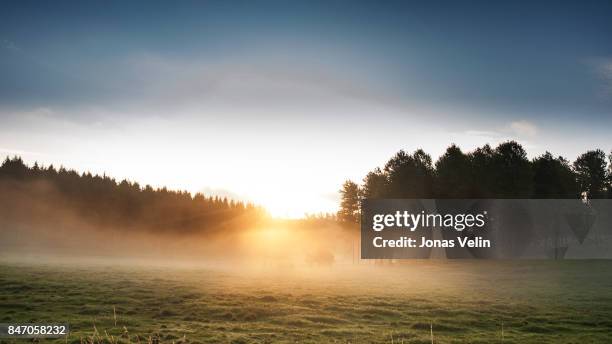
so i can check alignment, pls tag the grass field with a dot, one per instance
(459, 301)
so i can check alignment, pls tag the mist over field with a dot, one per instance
(61, 212)
(272, 242)
(38, 218)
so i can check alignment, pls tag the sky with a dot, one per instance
(279, 102)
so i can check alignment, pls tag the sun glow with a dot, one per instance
(286, 191)
(262, 172)
(283, 205)
(272, 241)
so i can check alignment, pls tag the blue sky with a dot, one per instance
(251, 96)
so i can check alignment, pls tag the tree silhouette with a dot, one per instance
(375, 184)
(453, 177)
(349, 203)
(512, 171)
(483, 183)
(610, 175)
(591, 171)
(409, 176)
(503, 172)
(553, 178)
(51, 196)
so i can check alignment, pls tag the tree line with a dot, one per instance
(500, 172)
(48, 196)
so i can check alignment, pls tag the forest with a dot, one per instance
(501, 172)
(46, 196)
(54, 198)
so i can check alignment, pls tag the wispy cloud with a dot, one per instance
(258, 83)
(606, 74)
(521, 129)
(524, 128)
(6, 44)
(602, 68)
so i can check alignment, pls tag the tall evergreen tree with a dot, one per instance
(349, 203)
(375, 184)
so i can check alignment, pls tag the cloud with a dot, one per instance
(256, 84)
(605, 70)
(524, 128)
(602, 69)
(484, 134)
(8, 45)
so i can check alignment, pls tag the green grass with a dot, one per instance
(464, 301)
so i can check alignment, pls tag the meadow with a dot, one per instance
(411, 302)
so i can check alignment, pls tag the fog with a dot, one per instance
(37, 220)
